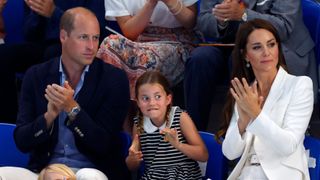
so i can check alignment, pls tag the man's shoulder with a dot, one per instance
(106, 68)
(44, 67)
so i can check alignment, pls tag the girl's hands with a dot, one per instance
(135, 155)
(171, 135)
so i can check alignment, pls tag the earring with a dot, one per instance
(248, 64)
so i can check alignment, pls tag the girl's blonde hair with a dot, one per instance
(58, 169)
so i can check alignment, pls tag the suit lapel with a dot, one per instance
(53, 76)
(276, 90)
(89, 86)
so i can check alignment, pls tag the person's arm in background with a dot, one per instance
(280, 16)
(207, 23)
(2, 26)
(37, 14)
(275, 12)
(186, 15)
(133, 26)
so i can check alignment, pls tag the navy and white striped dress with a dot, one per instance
(162, 160)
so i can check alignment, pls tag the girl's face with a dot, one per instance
(262, 51)
(153, 101)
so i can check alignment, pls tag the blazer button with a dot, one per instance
(48, 154)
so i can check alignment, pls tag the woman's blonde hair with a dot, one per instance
(58, 169)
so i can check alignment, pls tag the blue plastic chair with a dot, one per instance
(9, 154)
(311, 18)
(216, 168)
(313, 145)
(13, 14)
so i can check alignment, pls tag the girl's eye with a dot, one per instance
(157, 97)
(145, 98)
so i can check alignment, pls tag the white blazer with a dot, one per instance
(279, 130)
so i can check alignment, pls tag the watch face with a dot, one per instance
(75, 110)
(244, 16)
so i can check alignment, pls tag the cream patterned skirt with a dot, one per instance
(162, 49)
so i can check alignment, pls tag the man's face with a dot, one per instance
(81, 44)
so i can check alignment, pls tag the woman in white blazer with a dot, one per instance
(267, 111)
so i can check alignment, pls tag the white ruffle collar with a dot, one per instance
(149, 127)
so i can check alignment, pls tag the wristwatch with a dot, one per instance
(74, 112)
(244, 17)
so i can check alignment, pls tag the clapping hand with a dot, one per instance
(42, 7)
(228, 10)
(247, 97)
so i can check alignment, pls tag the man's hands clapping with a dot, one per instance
(59, 99)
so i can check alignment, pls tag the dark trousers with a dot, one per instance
(18, 58)
(206, 68)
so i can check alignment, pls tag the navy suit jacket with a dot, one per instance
(104, 101)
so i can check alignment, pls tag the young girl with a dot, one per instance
(57, 171)
(165, 137)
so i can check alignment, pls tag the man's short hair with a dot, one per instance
(68, 18)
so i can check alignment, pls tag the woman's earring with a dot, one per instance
(248, 64)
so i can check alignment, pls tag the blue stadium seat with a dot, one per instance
(13, 20)
(216, 168)
(311, 18)
(313, 145)
(9, 154)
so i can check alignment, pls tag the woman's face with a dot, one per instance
(262, 51)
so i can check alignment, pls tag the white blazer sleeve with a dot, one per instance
(287, 136)
(233, 144)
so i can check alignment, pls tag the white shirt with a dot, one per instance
(161, 16)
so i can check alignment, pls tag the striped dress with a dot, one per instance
(162, 160)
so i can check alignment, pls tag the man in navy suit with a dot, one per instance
(73, 107)
(41, 34)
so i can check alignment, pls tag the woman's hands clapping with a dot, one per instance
(248, 101)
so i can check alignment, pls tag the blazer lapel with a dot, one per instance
(53, 76)
(276, 90)
(90, 83)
